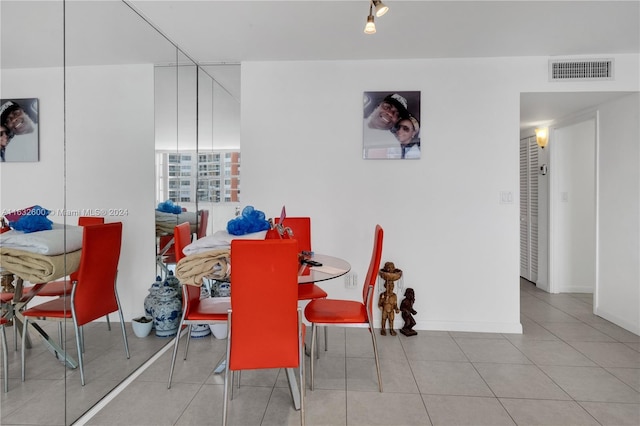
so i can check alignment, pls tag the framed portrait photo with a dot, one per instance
(19, 137)
(391, 125)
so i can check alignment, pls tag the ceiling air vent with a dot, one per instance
(588, 69)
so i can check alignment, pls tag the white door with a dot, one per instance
(529, 209)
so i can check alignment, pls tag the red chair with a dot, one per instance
(5, 354)
(203, 221)
(93, 295)
(349, 313)
(265, 327)
(301, 229)
(194, 310)
(63, 287)
(181, 239)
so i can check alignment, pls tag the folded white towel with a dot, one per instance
(220, 239)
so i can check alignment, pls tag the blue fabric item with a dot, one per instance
(169, 207)
(35, 220)
(251, 220)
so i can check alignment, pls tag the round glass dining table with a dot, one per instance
(332, 267)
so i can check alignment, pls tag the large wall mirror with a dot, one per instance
(110, 103)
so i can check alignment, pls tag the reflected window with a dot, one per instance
(212, 176)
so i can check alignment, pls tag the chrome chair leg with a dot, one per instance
(5, 360)
(186, 349)
(313, 350)
(175, 352)
(375, 353)
(225, 404)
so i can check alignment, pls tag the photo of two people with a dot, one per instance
(391, 128)
(19, 130)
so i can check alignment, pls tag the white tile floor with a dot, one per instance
(569, 367)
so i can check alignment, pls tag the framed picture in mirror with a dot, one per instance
(19, 135)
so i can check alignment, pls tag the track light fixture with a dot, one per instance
(370, 27)
(380, 9)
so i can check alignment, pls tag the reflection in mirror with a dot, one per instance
(31, 67)
(96, 151)
(202, 171)
(100, 126)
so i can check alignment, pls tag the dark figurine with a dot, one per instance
(406, 307)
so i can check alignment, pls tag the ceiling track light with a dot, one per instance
(378, 8)
(370, 27)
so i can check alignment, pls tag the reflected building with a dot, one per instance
(187, 176)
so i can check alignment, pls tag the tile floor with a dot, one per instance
(569, 367)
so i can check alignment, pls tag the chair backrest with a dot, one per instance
(95, 294)
(264, 304)
(372, 272)
(181, 239)
(203, 219)
(90, 220)
(190, 298)
(301, 228)
(86, 221)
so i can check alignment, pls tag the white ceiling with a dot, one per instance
(214, 32)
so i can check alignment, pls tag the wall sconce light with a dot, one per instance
(544, 170)
(542, 137)
(380, 9)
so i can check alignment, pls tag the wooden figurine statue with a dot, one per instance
(388, 300)
(406, 307)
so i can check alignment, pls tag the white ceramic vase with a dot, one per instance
(219, 331)
(141, 328)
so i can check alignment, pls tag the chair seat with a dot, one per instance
(53, 289)
(310, 291)
(208, 310)
(57, 308)
(333, 311)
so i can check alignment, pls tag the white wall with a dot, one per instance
(573, 201)
(109, 158)
(618, 276)
(444, 224)
(301, 146)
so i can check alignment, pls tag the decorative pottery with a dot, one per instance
(201, 330)
(142, 326)
(173, 282)
(167, 312)
(219, 331)
(152, 298)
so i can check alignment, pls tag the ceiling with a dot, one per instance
(219, 33)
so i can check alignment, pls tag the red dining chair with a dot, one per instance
(203, 221)
(301, 230)
(5, 354)
(194, 309)
(63, 287)
(181, 239)
(93, 295)
(349, 313)
(264, 279)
